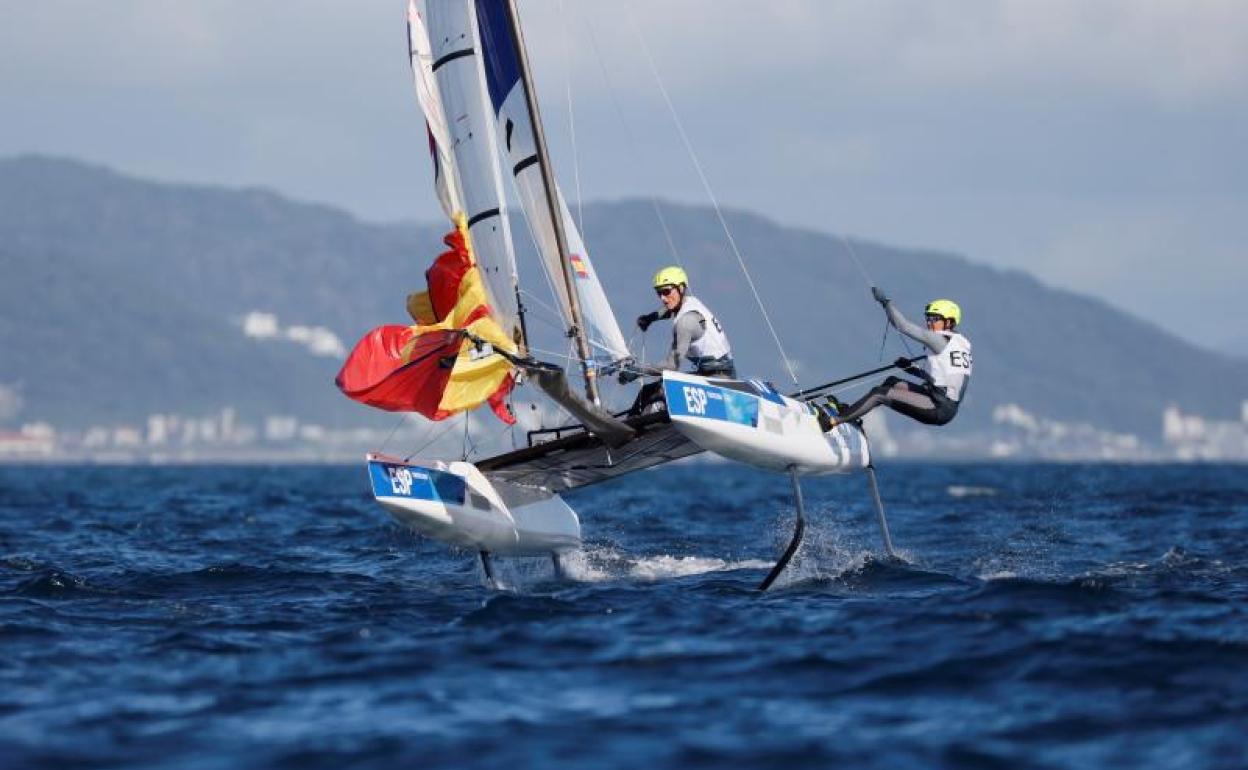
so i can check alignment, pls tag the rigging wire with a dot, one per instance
(621, 116)
(853, 255)
(550, 284)
(390, 435)
(438, 436)
(554, 314)
(849, 247)
(576, 160)
(706, 185)
(469, 445)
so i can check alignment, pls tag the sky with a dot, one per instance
(1097, 144)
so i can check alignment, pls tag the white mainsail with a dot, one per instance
(515, 129)
(448, 83)
(419, 51)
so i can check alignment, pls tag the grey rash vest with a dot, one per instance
(687, 328)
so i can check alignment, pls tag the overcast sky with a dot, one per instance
(1098, 144)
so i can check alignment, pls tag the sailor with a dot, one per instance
(696, 335)
(944, 376)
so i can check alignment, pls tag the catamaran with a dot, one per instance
(469, 346)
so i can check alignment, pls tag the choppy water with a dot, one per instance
(1052, 616)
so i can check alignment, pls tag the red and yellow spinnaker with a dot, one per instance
(434, 368)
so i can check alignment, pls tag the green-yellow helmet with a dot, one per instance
(670, 276)
(945, 308)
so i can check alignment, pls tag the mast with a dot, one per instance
(552, 204)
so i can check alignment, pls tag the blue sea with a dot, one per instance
(1047, 616)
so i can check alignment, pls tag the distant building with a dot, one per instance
(127, 437)
(280, 428)
(32, 441)
(1192, 437)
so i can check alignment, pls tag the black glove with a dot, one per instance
(627, 375)
(902, 363)
(879, 295)
(644, 321)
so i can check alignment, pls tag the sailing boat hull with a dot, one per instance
(750, 422)
(455, 504)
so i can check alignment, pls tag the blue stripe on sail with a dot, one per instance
(498, 50)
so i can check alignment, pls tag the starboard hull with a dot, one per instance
(455, 504)
(750, 422)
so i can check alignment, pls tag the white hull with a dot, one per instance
(455, 504)
(753, 424)
(749, 422)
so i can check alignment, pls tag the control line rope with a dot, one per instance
(706, 185)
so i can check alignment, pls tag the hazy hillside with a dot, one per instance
(122, 297)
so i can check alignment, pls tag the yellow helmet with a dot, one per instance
(945, 308)
(670, 276)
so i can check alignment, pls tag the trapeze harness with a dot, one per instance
(710, 354)
(933, 402)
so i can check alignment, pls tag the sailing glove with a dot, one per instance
(902, 363)
(879, 295)
(627, 375)
(644, 321)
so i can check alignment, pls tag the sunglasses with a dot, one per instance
(931, 319)
(663, 291)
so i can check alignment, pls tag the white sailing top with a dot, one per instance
(951, 367)
(713, 343)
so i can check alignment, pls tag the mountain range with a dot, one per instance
(123, 297)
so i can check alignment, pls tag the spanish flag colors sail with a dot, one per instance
(462, 142)
(446, 363)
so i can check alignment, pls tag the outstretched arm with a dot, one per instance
(933, 341)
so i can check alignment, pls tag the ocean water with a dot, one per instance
(1047, 616)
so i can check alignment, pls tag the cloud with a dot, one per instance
(157, 44)
(1180, 263)
(1165, 50)
(1021, 132)
(1168, 51)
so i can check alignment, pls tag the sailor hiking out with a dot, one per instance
(944, 376)
(697, 335)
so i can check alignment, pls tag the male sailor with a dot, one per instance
(696, 335)
(946, 373)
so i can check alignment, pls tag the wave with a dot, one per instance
(962, 490)
(48, 581)
(595, 565)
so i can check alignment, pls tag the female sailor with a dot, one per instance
(696, 335)
(947, 371)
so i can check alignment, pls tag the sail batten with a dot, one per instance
(500, 55)
(469, 335)
(449, 87)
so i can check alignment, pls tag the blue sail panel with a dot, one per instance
(498, 50)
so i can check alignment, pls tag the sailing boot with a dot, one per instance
(836, 408)
(829, 413)
(825, 419)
